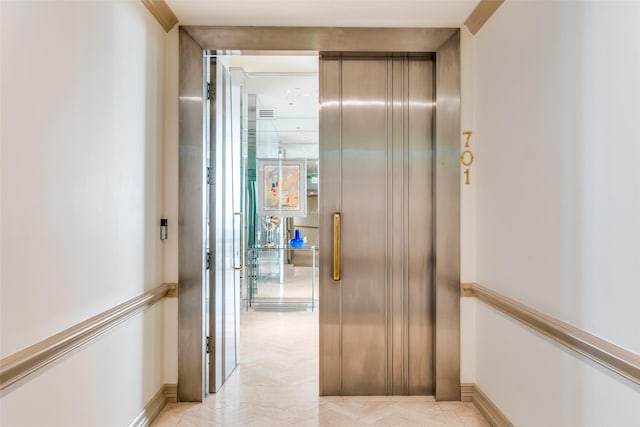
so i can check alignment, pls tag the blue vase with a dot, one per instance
(297, 241)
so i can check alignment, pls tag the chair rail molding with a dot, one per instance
(23, 363)
(617, 359)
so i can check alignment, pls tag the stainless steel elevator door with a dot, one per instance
(225, 229)
(376, 157)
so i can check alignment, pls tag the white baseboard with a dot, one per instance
(495, 417)
(168, 393)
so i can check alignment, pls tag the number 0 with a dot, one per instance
(466, 157)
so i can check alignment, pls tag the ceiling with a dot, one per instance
(335, 13)
(287, 85)
(274, 63)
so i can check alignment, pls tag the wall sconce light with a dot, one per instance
(163, 229)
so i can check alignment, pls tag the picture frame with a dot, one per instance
(282, 187)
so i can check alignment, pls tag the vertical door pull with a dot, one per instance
(336, 246)
(241, 237)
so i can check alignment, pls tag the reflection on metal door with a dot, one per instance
(227, 92)
(376, 321)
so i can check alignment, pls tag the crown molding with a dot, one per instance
(481, 14)
(162, 12)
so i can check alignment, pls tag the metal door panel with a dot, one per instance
(191, 303)
(234, 211)
(419, 238)
(227, 203)
(214, 379)
(447, 231)
(364, 205)
(376, 169)
(397, 354)
(330, 168)
(410, 216)
(218, 260)
(228, 256)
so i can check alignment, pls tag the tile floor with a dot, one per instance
(276, 384)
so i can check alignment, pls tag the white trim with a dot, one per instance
(495, 417)
(167, 394)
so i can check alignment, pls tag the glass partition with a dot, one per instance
(281, 128)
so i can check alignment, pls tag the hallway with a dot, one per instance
(276, 384)
(545, 179)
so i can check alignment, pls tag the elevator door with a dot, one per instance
(225, 231)
(376, 165)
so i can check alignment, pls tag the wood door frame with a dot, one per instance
(445, 44)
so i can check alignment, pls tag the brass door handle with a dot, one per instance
(336, 246)
(241, 237)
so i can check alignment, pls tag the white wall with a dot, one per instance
(82, 89)
(558, 203)
(171, 181)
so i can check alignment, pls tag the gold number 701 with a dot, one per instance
(466, 158)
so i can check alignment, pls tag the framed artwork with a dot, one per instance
(282, 187)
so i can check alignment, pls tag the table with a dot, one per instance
(266, 264)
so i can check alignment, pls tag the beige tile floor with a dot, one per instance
(276, 384)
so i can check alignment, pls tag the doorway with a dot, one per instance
(444, 384)
(263, 198)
